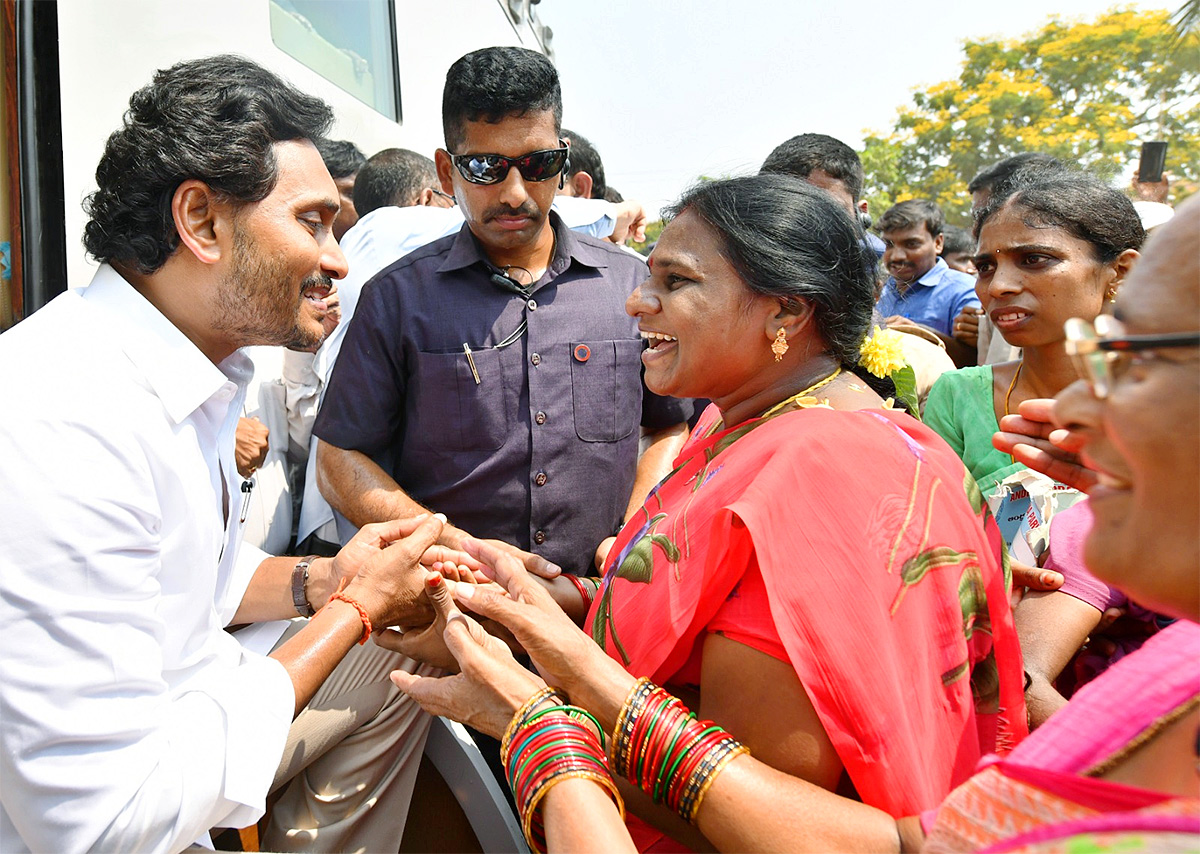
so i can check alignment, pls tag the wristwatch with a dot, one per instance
(300, 587)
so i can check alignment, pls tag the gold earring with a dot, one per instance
(780, 345)
(1112, 294)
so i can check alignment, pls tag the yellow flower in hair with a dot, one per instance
(882, 352)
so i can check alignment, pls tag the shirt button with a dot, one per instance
(536, 358)
(540, 478)
(532, 305)
(539, 537)
(540, 418)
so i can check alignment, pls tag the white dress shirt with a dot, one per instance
(131, 721)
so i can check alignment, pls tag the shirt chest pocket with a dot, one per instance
(606, 388)
(449, 410)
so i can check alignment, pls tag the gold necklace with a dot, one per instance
(1008, 395)
(801, 394)
(1013, 385)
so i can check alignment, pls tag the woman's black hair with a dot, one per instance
(1080, 204)
(789, 240)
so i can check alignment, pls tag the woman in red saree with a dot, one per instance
(1116, 770)
(818, 568)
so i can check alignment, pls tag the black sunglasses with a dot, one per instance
(493, 168)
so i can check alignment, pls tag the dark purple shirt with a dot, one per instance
(542, 451)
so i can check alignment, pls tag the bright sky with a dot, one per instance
(669, 90)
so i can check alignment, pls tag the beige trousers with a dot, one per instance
(351, 759)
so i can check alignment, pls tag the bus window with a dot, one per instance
(351, 43)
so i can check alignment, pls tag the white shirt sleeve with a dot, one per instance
(303, 393)
(130, 721)
(594, 217)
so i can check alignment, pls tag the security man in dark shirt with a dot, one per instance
(494, 375)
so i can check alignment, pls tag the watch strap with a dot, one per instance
(300, 587)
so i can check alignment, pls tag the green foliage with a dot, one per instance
(653, 230)
(1087, 93)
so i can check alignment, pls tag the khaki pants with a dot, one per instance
(351, 759)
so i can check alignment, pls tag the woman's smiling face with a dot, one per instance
(1144, 438)
(707, 331)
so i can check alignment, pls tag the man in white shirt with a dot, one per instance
(132, 720)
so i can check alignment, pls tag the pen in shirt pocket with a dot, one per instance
(471, 362)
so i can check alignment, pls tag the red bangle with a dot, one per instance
(362, 612)
(583, 591)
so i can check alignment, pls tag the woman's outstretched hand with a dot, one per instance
(565, 656)
(490, 685)
(1032, 439)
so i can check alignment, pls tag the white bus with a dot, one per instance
(71, 65)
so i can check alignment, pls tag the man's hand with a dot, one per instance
(1151, 191)
(251, 443)
(389, 578)
(966, 326)
(630, 224)
(536, 564)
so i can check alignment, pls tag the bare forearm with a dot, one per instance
(269, 594)
(359, 489)
(753, 807)
(656, 463)
(310, 655)
(580, 816)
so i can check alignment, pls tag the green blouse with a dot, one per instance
(960, 410)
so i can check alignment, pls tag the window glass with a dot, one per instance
(351, 43)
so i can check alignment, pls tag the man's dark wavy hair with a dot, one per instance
(214, 120)
(494, 83)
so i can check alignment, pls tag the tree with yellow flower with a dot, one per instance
(1088, 93)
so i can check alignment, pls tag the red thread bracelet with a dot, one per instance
(362, 612)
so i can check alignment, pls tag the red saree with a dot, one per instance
(882, 574)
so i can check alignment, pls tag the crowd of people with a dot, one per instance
(799, 534)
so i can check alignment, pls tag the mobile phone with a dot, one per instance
(1150, 166)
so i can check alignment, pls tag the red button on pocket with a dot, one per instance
(582, 352)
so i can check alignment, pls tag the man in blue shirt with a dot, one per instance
(921, 288)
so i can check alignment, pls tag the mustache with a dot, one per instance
(528, 209)
(317, 279)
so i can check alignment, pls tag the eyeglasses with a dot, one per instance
(493, 168)
(1102, 351)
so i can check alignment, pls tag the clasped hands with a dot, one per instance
(386, 566)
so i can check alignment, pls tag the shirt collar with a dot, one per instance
(467, 250)
(933, 273)
(181, 376)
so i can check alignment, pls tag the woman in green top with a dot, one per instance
(1051, 250)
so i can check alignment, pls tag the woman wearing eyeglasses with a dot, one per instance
(1116, 771)
(1050, 251)
(813, 575)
